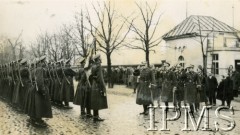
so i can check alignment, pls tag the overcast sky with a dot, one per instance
(35, 16)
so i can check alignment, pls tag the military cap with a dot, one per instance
(143, 63)
(97, 56)
(67, 61)
(82, 59)
(59, 62)
(190, 66)
(42, 58)
(23, 61)
(19, 60)
(166, 64)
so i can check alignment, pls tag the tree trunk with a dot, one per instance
(14, 53)
(147, 57)
(109, 71)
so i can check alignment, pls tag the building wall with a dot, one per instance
(225, 45)
(189, 48)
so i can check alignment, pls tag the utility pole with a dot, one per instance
(186, 8)
(233, 14)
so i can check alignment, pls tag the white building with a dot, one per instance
(221, 44)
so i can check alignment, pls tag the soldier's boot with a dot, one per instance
(89, 115)
(223, 103)
(229, 103)
(96, 116)
(179, 105)
(67, 105)
(82, 110)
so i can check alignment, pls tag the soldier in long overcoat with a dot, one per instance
(201, 88)
(82, 95)
(67, 94)
(179, 93)
(39, 105)
(26, 84)
(190, 87)
(58, 84)
(145, 88)
(15, 97)
(98, 89)
(169, 82)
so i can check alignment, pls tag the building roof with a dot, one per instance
(190, 27)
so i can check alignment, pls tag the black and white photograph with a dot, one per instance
(119, 67)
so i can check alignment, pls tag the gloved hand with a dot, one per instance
(102, 93)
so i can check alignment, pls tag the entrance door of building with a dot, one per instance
(237, 65)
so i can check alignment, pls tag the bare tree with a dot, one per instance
(14, 44)
(40, 46)
(146, 35)
(109, 34)
(82, 36)
(66, 42)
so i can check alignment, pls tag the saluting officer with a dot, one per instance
(67, 85)
(169, 81)
(190, 87)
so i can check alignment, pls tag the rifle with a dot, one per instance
(64, 74)
(34, 71)
(57, 75)
(30, 74)
(8, 72)
(20, 78)
(48, 71)
(12, 74)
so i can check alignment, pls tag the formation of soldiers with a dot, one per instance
(182, 85)
(32, 87)
(25, 86)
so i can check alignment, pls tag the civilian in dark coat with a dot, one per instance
(211, 88)
(225, 91)
(220, 91)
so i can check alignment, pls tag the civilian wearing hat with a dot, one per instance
(211, 88)
(39, 105)
(221, 91)
(67, 94)
(225, 91)
(98, 89)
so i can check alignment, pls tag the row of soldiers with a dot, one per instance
(31, 87)
(177, 84)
